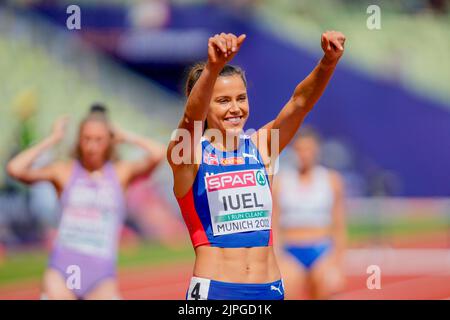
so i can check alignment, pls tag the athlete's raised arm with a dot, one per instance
(132, 169)
(20, 167)
(221, 49)
(309, 90)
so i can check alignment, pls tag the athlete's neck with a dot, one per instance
(92, 167)
(305, 173)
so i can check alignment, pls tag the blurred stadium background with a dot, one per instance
(385, 120)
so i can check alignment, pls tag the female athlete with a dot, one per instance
(222, 177)
(91, 190)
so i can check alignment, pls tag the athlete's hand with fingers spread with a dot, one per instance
(59, 128)
(333, 45)
(223, 47)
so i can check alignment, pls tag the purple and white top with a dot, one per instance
(93, 210)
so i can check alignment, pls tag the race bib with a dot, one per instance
(198, 289)
(87, 231)
(239, 201)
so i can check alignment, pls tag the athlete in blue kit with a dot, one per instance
(309, 206)
(223, 181)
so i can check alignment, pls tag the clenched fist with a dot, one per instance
(59, 128)
(333, 45)
(223, 47)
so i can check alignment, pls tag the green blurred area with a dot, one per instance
(41, 83)
(30, 265)
(368, 230)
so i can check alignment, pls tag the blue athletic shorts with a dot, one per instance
(308, 253)
(206, 289)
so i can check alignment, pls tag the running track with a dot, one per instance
(410, 272)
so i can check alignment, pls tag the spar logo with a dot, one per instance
(229, 180)
(260, 178)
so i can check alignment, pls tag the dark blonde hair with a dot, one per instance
(196, 71)
(99, 113)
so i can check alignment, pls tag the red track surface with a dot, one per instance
(171, 281)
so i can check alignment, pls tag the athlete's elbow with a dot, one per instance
(191, 118)
(13, 171)
(196, 110)
(302, 104)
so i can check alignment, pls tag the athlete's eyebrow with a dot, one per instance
(222, 98)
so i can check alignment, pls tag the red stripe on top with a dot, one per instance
(192, 220)
(271, 238)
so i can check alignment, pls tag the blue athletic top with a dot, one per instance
(230, 203)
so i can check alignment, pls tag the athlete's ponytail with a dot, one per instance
(98, 107)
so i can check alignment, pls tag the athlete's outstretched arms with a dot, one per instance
(309, 90)
(154, 155)
(20, 167)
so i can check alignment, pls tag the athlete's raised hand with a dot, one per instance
(333, 44)
(309, 90)
(20, 167)
(223, 47)
(120, 135)
(59, 128)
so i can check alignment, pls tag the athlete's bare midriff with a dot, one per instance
(237, 265)
(295, 235)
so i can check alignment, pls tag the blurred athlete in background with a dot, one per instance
(309, 211)
(91, 189)
(222, 178)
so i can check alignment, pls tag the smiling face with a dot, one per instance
(229, 107)
(94, 144)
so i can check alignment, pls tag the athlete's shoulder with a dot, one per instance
(287, 171)
(324, 171)
(62, 170)
(336, 179)
(64, 166)
(121, 167)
